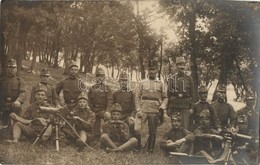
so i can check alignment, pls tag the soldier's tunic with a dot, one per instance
(198, 108)
(118, 133)
(71, 87)
(226, 114)
(177, 134)
(100, 101)
(12, 88)
(52, 96)
(181, 96)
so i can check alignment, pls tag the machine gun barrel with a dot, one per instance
(49, 109)
(243, 136)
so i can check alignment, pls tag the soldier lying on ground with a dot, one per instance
(116, 137)
(82, 119)
(177, 139)
(35, 120)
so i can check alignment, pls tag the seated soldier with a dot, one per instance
(177, 139)
(35, 121)
(207, 141)
(82, 119)
(115, 136)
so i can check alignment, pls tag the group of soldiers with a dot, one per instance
(116, 119)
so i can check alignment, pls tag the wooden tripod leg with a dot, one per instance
(57, 136)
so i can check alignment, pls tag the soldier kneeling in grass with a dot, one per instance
(82, 120)
(177, 139)
(35, 121)
(116, 136)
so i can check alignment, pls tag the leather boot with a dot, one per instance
(151, 143)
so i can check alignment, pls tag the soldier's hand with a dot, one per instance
(169, 141)
(139, 114)
(76, 118)
(191, 111)
(180, 141)
(219, 130)
(217, 137)
(233, 129)
(58, 106)
(17, 104)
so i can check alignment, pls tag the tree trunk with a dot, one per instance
(32, 68)
(3, 56)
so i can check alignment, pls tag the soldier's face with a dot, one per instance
(12, 70)
(250, 102)
(74, 71)
(242, 126)
(82, 103)
(205, 122)
(115, 115)
(153, 72)
(100, 78)
(176, 124)
(123, 83)
(203, 96)
(44, 79)
(181, 67)
(40, 96)
(221, 96)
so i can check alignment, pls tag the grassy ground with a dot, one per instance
(25, 153)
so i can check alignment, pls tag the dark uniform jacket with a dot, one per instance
(225, 112)
(252, 118)
(12, 88)
(198, 107)
(177, 134)
(127, 101)
(100, 98)
(71, 87)
(52, 96)
(118, 132)
(180, 91)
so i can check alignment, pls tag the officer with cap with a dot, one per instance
(12, 94)
(100, 100)
(34, 121)
(207, 142)
(225, 111)
(201, 105)
(52, 96)
(83, 119)
(250, 112)
(177, 139)
(115, 136)
(72, 86)
(181, 92)
(150, 100)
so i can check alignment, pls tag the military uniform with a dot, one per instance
(100, 101)
(180, 94)
(12, 89)
(150, 98)
(52, 96)
(175, 134)
(72, 86)
(225, 111)
(115, 133)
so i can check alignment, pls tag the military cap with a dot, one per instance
(221, 88)
(73, 63)
(203, 89)
(41, 88)
(153, 64)
(11, 63)
(45, 72)
(176, 116)
(83, 96)
(250, 96)
(205, 113)
(180, 60)
(100, 71)
(242, 119)
(116, 108)
(123, 76)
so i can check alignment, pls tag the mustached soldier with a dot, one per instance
(12, 94)
(181, 93)
(150, 101)
(52, 96)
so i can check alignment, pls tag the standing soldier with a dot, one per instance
(150, 101)
(201, 105)
(12, 94)
(100, 100)
(126, 99)
(52, 96)
(72, 86)
(181, 93)
(225, 112)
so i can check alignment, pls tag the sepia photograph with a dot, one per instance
(129, 82)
